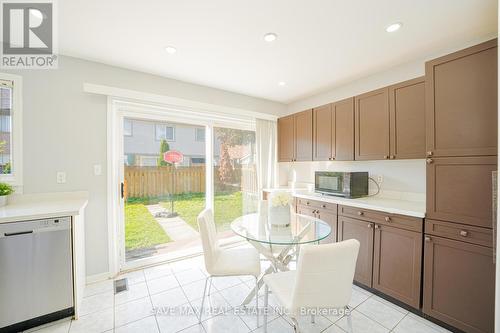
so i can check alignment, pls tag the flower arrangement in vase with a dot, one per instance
(279, 208)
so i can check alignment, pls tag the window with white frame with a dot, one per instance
(164, 132)
(199, 134)
(10, 129)
(127, 127)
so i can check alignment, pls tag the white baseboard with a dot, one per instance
(98, 277)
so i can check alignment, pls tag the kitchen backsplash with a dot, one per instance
(403, 179)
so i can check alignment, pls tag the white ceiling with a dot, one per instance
(321, 43)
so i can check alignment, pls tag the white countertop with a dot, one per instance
(44, 205)
(378, 202)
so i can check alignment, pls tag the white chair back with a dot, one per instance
(324, 275)
(209, 241)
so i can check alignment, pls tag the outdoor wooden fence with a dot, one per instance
(141, 182)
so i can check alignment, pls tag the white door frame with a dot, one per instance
(117, 111)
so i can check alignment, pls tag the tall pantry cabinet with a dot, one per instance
(461, 149)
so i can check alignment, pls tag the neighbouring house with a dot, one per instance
(142, 144)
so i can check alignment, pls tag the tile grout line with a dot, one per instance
(188, 302)
(392, 330)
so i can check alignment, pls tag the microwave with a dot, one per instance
(344, 184)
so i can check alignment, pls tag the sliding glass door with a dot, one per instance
(171, 171)
(234, 176)
(164, 186)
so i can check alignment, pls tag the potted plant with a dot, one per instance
(5, 191)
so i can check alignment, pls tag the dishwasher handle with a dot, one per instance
(8, 234)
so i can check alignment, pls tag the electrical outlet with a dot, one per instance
(380, 179)
(97, 170)
(61, 177)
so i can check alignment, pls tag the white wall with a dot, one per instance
(64, 129)
(398, 175)
(378, 80)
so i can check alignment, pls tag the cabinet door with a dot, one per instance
(343, 128)
(407, 113)
(459, 284)
(306, 211)
(372, 125)
(397, 259)
(303, 135)
(363, 232)
(323, 133)
(459, 189)
(461, 102)
(331, 219)
(286, 139)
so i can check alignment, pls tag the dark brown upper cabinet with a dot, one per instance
(371, 125)
(407, 119)
(286, 139)
(295, 137)
(343, 120)
(459, 284)
(461, 102)
(333, 131)
(397, 261)
(323, 133)
(459, 189)
(363, 232)
(303, 135)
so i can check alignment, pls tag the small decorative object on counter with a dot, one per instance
(279, 208)
(5, 191)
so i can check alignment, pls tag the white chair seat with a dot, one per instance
(237, 262)
(323, 280)
(282, 286)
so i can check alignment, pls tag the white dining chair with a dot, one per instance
(221, 262)
(323, 280)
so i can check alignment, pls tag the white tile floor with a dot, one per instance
(181, 285)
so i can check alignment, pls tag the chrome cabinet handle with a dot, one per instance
(429, 160)
(387, 219)
(392, 157)
(377, 226)
(360, 213)
(464, 233)
(386, 157)
(429, 153)
(369, 225)
(427, 239)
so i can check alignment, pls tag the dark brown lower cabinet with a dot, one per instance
(363, 232)
(328, 216)
(459, 284)
(397, 260)
(331, 219)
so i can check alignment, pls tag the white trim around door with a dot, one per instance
(119, 109)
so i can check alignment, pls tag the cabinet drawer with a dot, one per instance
(399, 221)
(469, 234)
(331, 207)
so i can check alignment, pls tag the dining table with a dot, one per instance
(279, 244)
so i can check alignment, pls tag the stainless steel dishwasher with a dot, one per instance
(36, 273)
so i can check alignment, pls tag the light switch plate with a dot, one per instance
(97, 170)
(61, 177)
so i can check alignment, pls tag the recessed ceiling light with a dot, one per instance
(282, 83)
(270, 37)
(393, 27)
(170, 49)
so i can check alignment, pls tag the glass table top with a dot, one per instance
(301, 230)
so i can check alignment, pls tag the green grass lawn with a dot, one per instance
(227, 207)
(141, 229)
